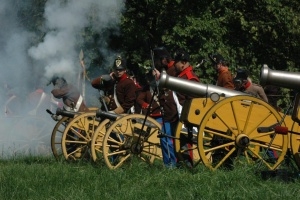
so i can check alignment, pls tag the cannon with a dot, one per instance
(231, 127)
(124, 136)
(290, 80)
(64, 139)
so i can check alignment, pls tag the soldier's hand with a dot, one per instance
(56, 117)
(106, 99)
(119, 110)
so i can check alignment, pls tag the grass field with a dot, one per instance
(44, 178)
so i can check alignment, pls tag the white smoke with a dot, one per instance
(25, 66)
(65, 22)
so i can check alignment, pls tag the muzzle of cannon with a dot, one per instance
(278, 78)
(194, 88)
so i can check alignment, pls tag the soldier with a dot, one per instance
(121, 97)
(145, 96)
(163, 61)
(224, 75)
(184, 70)
(243, 83)
(170, 117)
(273, 95)
(72, 99)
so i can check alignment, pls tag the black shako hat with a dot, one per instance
(216, 58)
(181, 55)
(119, 64)
(241, 74)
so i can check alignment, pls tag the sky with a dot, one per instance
(25, 66)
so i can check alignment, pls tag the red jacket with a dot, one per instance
(188, 74)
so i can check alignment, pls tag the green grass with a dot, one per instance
(44, 178)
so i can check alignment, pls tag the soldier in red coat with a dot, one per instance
(184, 70)
(121, 97)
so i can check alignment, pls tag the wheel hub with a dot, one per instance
(136, 148)
(242, 141)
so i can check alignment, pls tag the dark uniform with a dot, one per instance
(125, 93)
(146, 95)
(122, 88)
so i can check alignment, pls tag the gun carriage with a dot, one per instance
(99, 134)
(126, 136)
(231, 126)
(70, 121)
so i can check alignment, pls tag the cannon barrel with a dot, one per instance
(194, 88)
(284, 79)
(106, 115)
(65, 113)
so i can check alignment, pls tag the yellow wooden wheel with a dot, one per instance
(56, 136)
(97, 140)
(77, 136)
(295, 143)
(127, 137)
(235, 131)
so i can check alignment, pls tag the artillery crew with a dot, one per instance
(224, 75)
(146, 95)
(244, 84)
(120, 98)
(184, 70)
(72, 99)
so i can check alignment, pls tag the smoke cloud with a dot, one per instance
(27, 65)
